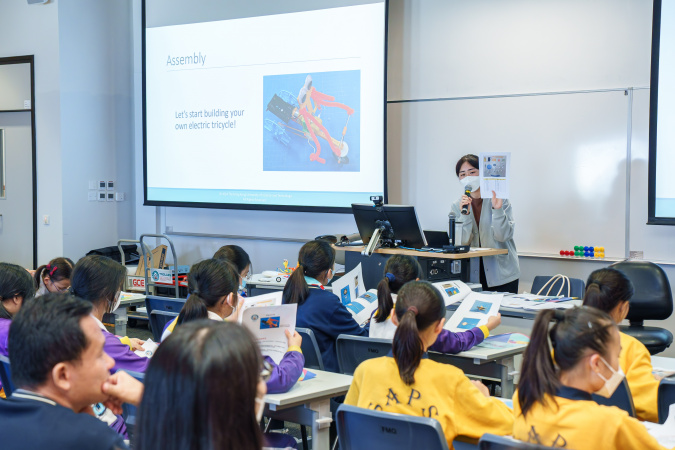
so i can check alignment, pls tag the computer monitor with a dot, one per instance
(402, 228)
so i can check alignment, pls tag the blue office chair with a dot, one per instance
(162, 310)
(577, 286)
(310, 349)
(353, 350)
(6, 376)
(666, 397)
(129, 411)
(367, 429)
(494, 442)
(653, 300)
(621, 398)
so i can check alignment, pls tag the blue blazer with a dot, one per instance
(324, 313)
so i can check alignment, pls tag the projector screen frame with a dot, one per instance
(243, 206)
(652, 219)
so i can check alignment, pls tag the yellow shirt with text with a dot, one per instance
(440, 391)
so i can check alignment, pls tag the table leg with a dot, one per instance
(474, 269)
(507, 369)
(321, 420)
(121, 321)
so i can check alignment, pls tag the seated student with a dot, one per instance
(318, 309)
(214, 370)
(99, 280)
(213, 284)
(53, 277)
(16, 285)
(58, 366)
(407, 382)
(553, 405)
(237, 256)
(399, 270)
(609, 290)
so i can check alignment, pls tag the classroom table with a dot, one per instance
(489, 363)
(516, 313)
(308, 403)
(121, 314)
(432, 263)
(259, 284)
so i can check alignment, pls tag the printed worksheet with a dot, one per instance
(474, 311)
(494, 172)
(350, 286)
(272, 299)
(453, 291)
(363, 307)
(268, 324)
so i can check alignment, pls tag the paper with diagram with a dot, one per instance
(268, 325)
(474, 311)
(363, 307)
(349, 286)
(452, 291)
(494, 172)
(273, 299)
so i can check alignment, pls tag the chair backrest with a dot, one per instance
(666, 397)
(653, 299)
(494, 442)
(129, 411)
(368, 429)
(6, 376)
(353, 350)
(621, 398)
(310, 349)
(577, 286)
(161, 310)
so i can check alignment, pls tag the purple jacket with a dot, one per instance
(449, 342)
(286, 374)
(124, 358)
(4, 337)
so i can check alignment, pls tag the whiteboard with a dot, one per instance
(568, 163)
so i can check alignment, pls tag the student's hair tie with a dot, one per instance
(559, 315)
(51, 269)
(195, 292)
(390, 277)
(413, 309)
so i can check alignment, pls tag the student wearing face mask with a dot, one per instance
(553, 405)
(609, 290)
(318, 309)
(99, 280)
(212, 285)
(488, 224)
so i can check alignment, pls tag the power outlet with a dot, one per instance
(637, 254)
(119, 196)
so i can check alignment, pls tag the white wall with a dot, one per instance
(84, 121)
(33, 30)
(95, 39)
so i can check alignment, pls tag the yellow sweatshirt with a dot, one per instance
(440, 391)
(572, 419)
(636, 363)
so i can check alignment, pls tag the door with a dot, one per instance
(17, 201)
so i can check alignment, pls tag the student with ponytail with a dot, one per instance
(553, 405)
(609, 290)
(99, 280)
(213, 285)
(408, 382)
(16, 286)
(53, 277)
(318, 309)
(401, 269)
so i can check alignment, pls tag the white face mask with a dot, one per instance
(612, 383)
(116, 302)
(260, 404)
(472, 182)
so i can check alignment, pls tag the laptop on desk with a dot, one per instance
(436, 239)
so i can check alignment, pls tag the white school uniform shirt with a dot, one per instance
(383, 330)
(209, 314)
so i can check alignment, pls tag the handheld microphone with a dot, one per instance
(465, 208)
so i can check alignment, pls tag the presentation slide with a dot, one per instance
(279, 110)
(665, 131)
